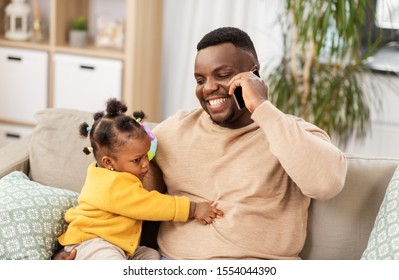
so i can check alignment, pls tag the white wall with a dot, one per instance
(383, 138)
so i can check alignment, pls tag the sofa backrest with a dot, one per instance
(56, 155)
(339, 228)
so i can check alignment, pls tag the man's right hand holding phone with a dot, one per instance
(254, 90)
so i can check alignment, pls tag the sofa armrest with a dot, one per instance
(15, 156)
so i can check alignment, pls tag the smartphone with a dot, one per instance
(237, 95)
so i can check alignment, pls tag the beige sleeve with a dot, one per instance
(305, 152)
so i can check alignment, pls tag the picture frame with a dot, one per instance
(110, 33)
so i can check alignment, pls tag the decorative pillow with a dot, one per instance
(383, 243)
(31, 217)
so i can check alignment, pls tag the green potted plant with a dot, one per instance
(321, 74)
(78, 36)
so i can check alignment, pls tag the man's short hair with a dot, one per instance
(236, 36)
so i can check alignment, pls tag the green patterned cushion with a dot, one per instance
(31, 217)
(383, 243)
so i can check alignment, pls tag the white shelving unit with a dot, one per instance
(135, 75)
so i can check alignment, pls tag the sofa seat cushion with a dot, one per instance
(383, 243)
(31, 217)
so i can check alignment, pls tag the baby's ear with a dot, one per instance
(107, 162)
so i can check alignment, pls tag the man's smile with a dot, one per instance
(214, 103)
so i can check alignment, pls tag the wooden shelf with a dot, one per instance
(16, 123)
(24, 44)
(92, 51)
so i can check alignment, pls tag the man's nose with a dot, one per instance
(210, 86)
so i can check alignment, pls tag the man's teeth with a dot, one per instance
(217, 102)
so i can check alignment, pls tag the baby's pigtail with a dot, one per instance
(115, 108)
(88, 150)
(138, 116)
(84, 129)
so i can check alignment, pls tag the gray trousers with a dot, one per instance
(100, 249)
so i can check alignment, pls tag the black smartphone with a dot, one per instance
(237, 95)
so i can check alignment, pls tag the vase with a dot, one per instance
(78, 38)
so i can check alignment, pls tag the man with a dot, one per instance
(259, 165)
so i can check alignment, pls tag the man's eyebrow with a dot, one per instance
(217, 69)
(222, 67)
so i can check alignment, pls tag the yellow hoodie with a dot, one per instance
(112, 205)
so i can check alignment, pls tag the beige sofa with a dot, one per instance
(338, 228)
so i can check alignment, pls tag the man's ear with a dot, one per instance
(255, 67)
(107, 162)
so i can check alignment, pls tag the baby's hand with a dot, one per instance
(205, 212)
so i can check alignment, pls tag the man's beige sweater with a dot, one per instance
(262, 176)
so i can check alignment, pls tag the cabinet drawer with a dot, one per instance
(10, 133)
(23, 83)
(85, 83)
